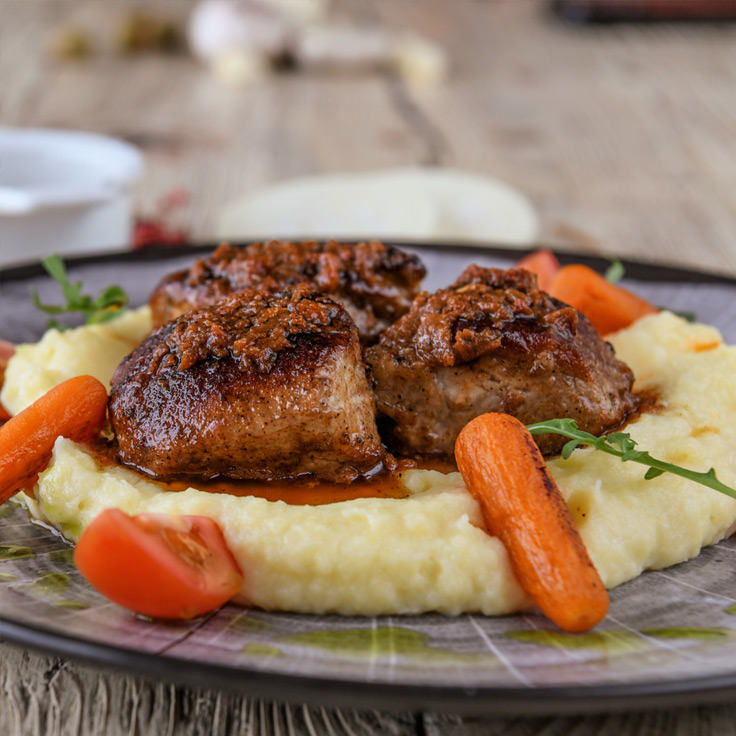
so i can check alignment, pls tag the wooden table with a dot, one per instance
(622, 137)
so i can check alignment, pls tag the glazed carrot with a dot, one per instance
(544, 264)
(523, 507)
(75, 409)
(608, 306)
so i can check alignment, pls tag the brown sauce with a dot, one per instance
(313, 492)
(428, 462)
(648, 402)
(299, 492)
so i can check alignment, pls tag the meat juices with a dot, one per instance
(259, 386)
(493, 342)
(374, 282)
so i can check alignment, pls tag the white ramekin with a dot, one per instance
(64, 192)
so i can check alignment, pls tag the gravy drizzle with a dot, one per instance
(300, 492)
(314, 492)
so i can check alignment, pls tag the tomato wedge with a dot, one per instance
(544, 264)
(162, 566)
(7, 350)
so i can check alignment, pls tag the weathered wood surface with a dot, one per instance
(46, 696)
(623, 138)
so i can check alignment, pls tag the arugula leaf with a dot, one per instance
(615, 271)
(621, 445)
(109, 305)
(687, 316)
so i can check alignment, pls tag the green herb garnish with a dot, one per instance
(107, 306)
(615, 271)
(621, 445)
(687, 316)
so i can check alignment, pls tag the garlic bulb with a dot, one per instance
(220, 28)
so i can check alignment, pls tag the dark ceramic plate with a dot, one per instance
(670, 638)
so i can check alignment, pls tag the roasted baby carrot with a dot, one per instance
(75, 409)
(523, 507)
(543, 264)
(608, 306)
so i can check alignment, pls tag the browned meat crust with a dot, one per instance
(375, 282)
(260, 386)
(493, 342)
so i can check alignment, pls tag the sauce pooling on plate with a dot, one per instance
(301, 492)
(306, 491)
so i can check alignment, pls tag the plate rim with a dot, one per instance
(637, 269)
(319, 690)
(396, 697)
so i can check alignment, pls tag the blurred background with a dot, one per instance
(603, 127)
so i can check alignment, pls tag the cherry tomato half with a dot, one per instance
(162, 566)
(7, 350)
(544, 264)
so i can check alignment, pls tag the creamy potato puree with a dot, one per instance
(372, 556)
(428, 552)
(630, 524)
(93, 350)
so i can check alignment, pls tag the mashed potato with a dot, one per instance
(428, 552)
(93, 350)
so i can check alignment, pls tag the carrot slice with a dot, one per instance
(608, 306)
(522, 506)
(75, 409)
(544, 264)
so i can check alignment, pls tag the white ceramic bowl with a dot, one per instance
(64, 191)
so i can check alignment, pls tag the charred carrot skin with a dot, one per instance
(523, 507)
(75, 409)
(608, 306)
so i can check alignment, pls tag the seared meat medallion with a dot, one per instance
(260, 386)
(374, 282)
(493, 342)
